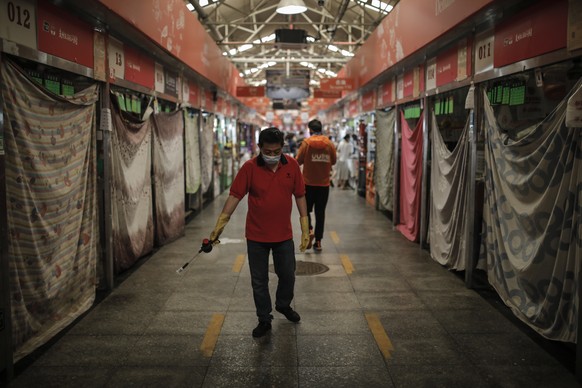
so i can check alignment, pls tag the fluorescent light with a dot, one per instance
(190, 7)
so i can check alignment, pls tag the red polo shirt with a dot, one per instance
(270, 197)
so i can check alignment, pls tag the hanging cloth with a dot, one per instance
(192, 133)
(169, 176)
(533, 220)
(131, 189)
(51, 200)
(384, 165)
(207, 152)
(410, 179)
(448, 199)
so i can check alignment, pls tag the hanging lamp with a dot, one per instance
(291, 7)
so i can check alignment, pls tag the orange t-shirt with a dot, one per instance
(317, 154)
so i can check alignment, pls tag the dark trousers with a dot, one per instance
(284, 262)
(316, 196)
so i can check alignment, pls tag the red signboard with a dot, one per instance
(539, 29)
(353, 108)
(369, 101)
(446, 66)
(398, 36)
(337, 84)
(408, 83)
(174, 28)
(63, 35)
(194, 94)
(138, 67)
(318, 93)
(250, 91)
(208, 101)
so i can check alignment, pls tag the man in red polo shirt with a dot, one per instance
(270, 179)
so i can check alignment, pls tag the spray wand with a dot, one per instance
(206, 248)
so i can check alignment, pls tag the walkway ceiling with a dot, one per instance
(245, 31)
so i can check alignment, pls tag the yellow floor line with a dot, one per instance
(348, 266)
(211, 336)
(380, 335)
(334, 237)
(238, 263)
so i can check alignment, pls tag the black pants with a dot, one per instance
(284, 263)
(316, 196)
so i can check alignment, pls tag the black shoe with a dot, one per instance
(261, 329)
(317, 246)
(289, 313)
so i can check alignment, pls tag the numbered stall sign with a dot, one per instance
(484, 44)
(116, 59)
(18, 22)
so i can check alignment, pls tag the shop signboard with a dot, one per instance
(99, 56)
(250, 91)
(159, 77)
(400, 87)
(185, 96)
(170, 83)
(116, 57)
(369, 101)
(318, 93)
(462, 63)
(18, 22)
(194, 94)
(431, 74)
(208, 100)
(353, 107)
(446, 67)
(539, 29)
(338, 84)
(408, 83)
(484, 51)
(139, 68)
(63, 35)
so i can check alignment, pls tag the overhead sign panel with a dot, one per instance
(250, 91)
(318, 93)
(340, 84)
(292, 85)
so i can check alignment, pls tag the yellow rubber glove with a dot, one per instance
(304, 233)
(220, 224)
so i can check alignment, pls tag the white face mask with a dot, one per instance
(271, 159)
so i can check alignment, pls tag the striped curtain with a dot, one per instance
(51, 198)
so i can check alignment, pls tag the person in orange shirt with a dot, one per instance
(317, 155)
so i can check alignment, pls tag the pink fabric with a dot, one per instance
(410, 179)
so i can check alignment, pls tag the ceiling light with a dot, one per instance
(291, 7)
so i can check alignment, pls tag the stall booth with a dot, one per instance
(451, 209)
(208, 147)
(384, 168)
(192, 151)
(48, 157)
(368, 117)
(532, 146)
(412, 153)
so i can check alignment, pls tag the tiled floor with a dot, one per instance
(433, 331)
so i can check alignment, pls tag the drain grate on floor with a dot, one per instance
(306, 268)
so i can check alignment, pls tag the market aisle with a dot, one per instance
(383, 315)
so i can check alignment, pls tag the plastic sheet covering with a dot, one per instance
(192, 133)
(384, 166)
(131, 193)
(206, 152)
(448, 199)
(410, 179)
(51, 199)
(533, 219)
(169, 176)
